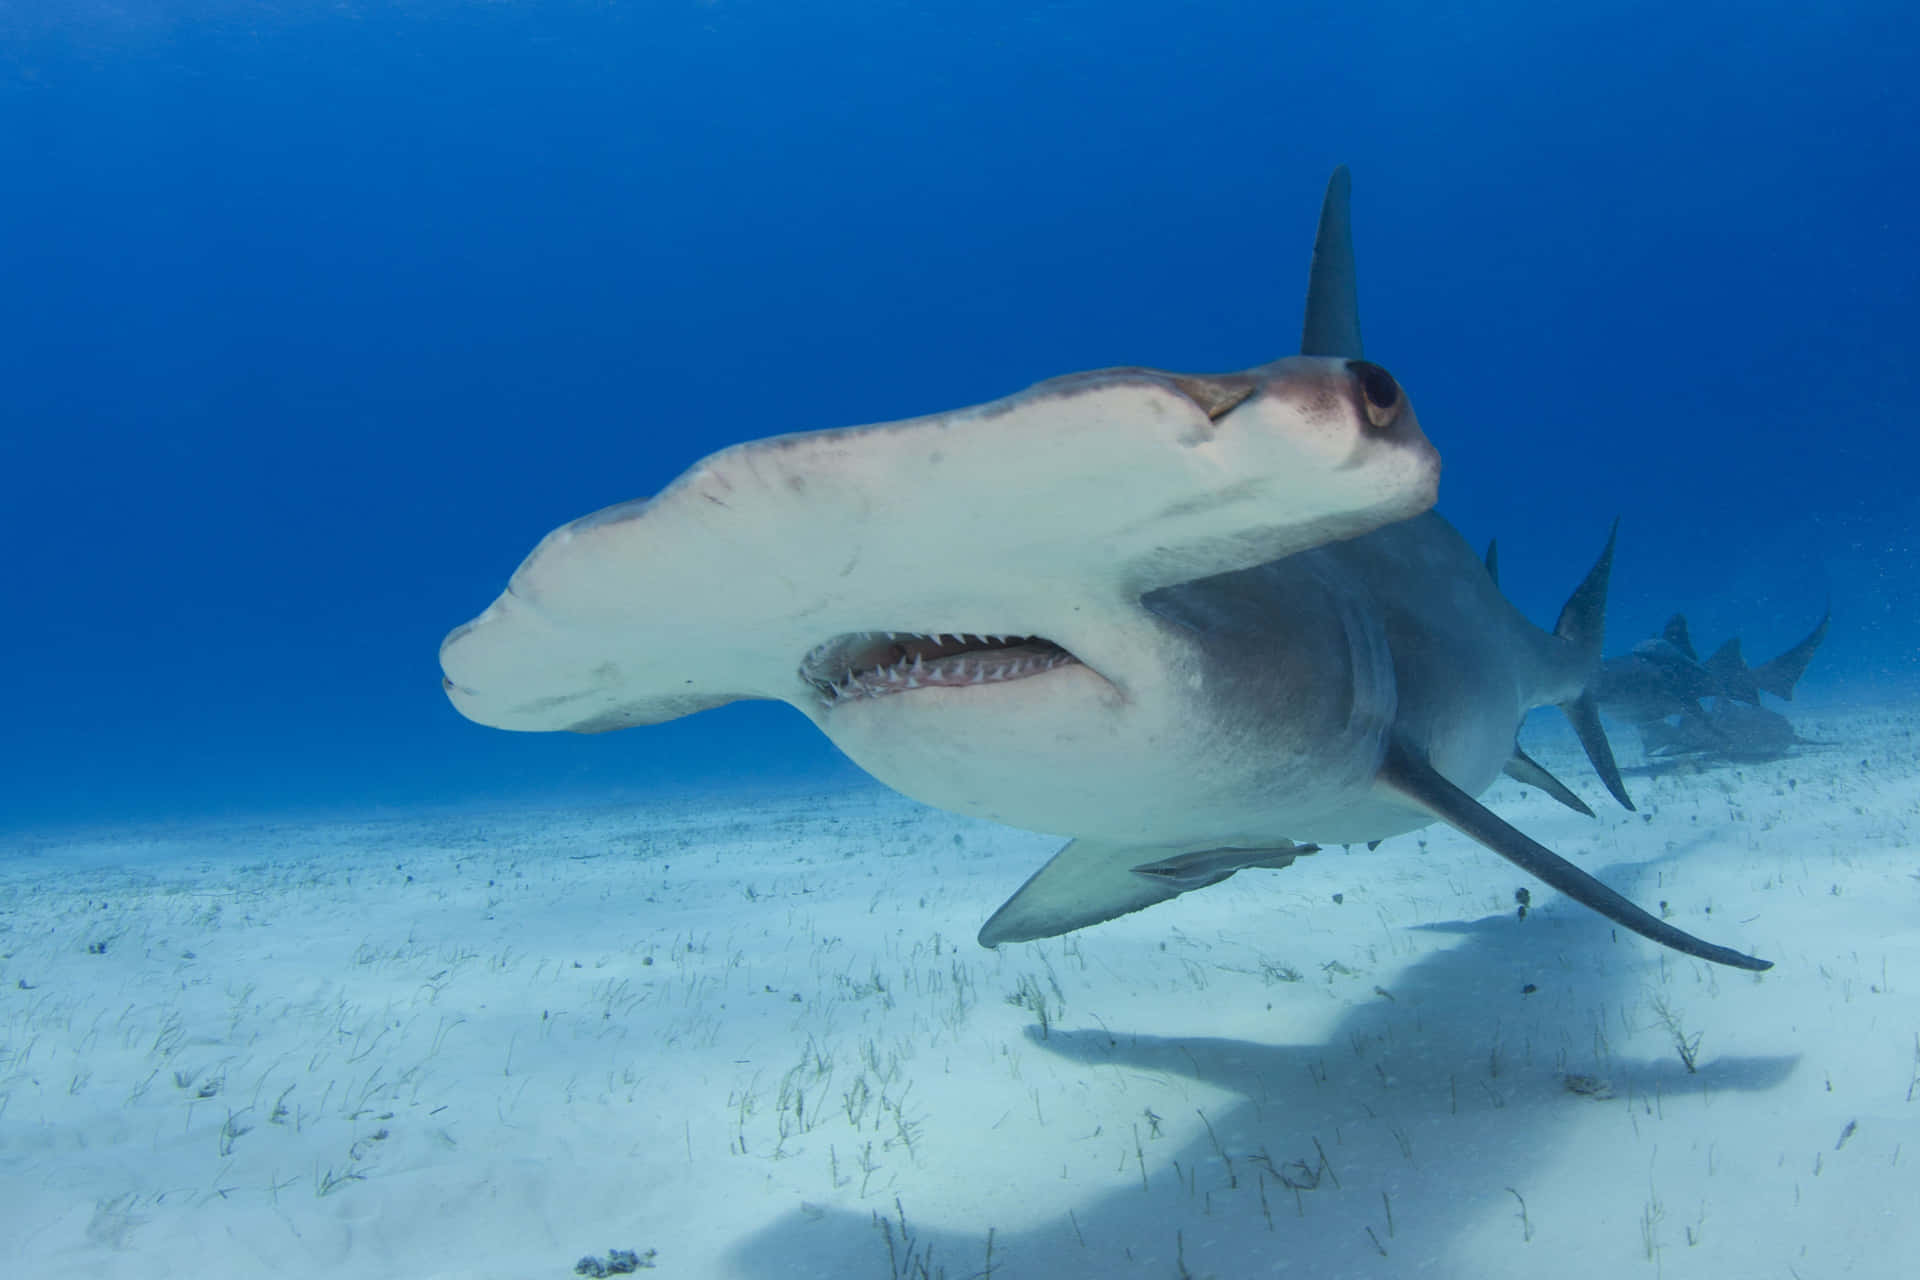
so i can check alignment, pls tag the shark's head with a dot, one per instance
(949, 575)
(956, 599)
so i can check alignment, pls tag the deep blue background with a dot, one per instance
(313, 318)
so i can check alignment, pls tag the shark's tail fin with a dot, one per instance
(1779, 675)
(1583, 624)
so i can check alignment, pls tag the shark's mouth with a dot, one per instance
(873, 664)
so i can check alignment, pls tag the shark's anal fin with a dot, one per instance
(1524, 768)
(1408, 775)
(1094, 880)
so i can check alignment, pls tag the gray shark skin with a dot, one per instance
(1198, 623)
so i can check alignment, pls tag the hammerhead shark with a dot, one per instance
(1196, 622)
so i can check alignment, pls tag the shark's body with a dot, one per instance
(1213, 625)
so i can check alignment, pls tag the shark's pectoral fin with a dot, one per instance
(1408, 776)
(1093, 880)
(1524, 768)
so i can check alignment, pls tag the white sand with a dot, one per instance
(488, 1046)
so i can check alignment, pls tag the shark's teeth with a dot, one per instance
(877, 663)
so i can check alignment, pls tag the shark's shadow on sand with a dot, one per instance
(1427, 1103)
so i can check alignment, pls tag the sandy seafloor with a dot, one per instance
(488, 1045)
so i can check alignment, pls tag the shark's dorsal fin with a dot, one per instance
(1093, 880)
(1406, 774)
(1333, 299)
(1493, 560)
(1675, 633)
(1524, 768)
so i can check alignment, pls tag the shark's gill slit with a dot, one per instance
(872, 664)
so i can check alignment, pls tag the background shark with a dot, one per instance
(1199, 632)
(1683, 706)
(1664, 676)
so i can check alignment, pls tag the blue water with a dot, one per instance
(314, 317)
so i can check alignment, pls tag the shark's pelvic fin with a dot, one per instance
(1333, 297)
(1524, 768)
(1583, 624)
(1408, 775)
(1093, 880)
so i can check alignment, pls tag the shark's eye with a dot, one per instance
(1379, 392)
